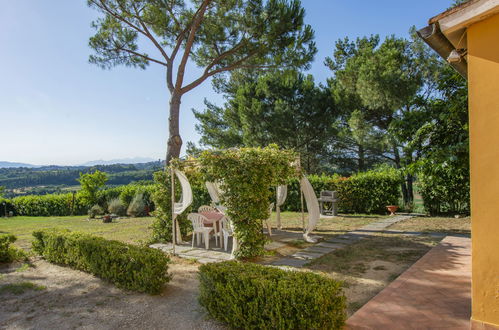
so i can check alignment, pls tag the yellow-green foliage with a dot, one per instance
(127, 266)
(364, 192)
(161, 195)
(49, 205)
(247, 176)
(251, 296)
(10, 253)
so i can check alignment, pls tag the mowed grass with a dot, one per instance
(436, 224)
(331, 225)
(353, 259)
(134, 230)
(131, 230)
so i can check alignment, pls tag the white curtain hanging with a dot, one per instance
(281, 194)
(186, 199)
(213, 191)
(312, 208)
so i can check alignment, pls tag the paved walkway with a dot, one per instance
(279, 239)
(304, 256)
(434, 293)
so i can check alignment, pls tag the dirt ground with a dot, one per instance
(368, 266)
(68, 299)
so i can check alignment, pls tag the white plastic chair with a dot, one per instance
(312, 208)
(267, 222)
(227, 231)
(206, 208)
(199, 230)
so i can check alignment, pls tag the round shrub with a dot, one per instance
(10, 253)
(95, 211)
(137, 206)
(251, 296)
(116, 207)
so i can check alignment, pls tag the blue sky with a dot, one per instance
(56, 108)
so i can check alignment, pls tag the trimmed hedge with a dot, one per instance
(49, 205)
(10, 253)
(365, 192)
(251, 296)
(130, 267)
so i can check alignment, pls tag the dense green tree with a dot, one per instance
(389, 82)
(285, 108)
(90, 185)
(216, 35)
(443, 168)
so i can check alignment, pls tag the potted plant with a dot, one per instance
(392, 209)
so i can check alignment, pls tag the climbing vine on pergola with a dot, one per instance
(246, 176)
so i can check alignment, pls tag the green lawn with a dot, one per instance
(134, 230)
(130, 230)
(435, 224)
(339, 224)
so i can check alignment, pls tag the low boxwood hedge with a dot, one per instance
(130, 267)
(10, 253)
(251, 296)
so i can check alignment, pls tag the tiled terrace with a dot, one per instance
(435, 293)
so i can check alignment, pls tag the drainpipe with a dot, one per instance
(437, 40)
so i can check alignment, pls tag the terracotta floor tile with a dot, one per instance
(433, 294)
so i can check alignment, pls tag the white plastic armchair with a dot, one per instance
(206, 208)
(199, 230)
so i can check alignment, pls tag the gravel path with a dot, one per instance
(73, 299)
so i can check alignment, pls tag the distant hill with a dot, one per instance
(134, 160)
(13, 164)
(45, 179)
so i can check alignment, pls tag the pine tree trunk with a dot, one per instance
(174, 139)
(362, 163)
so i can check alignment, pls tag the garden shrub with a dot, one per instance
(49, 205)
(445, 188)
(130, 267)
(10, 253)
(8, 207)
(137, 206)
(364, 192)
(247, 176)
(251, 296)
(95, 211)
(116, 207)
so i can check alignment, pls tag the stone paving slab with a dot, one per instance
(307, 255)
(297, 260)
(434, 293)
(319, 249)
(291, 262)
(329, 245)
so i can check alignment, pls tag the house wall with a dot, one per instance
(483, 78)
